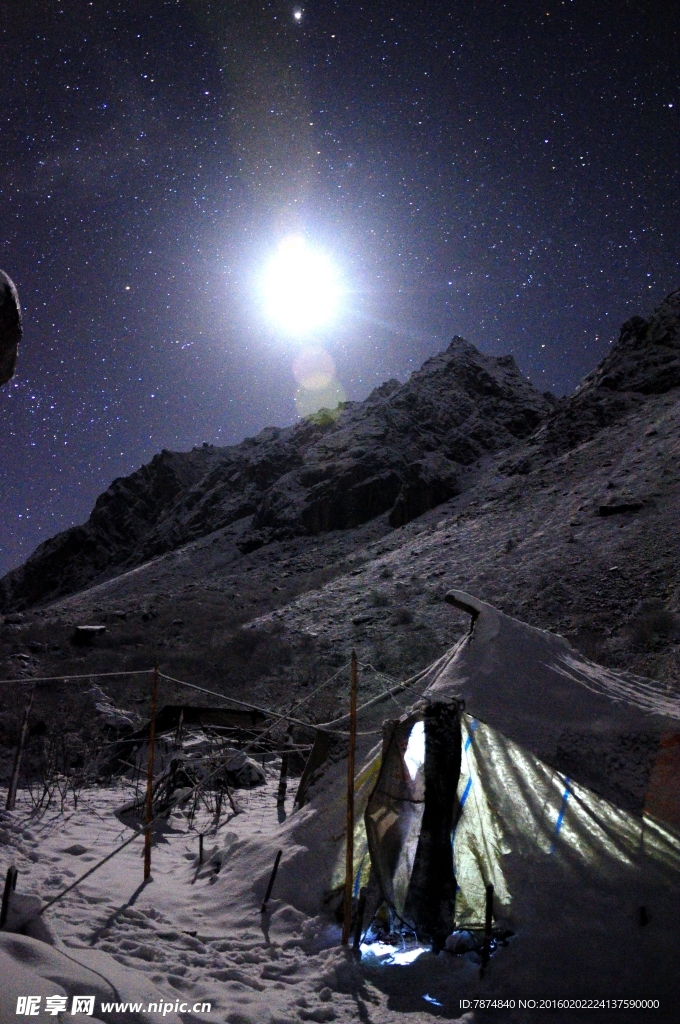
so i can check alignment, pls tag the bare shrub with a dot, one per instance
(60, 771)
(379, 598)
(403, 616)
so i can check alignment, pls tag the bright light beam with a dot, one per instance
(300, 288)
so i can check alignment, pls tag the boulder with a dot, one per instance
(109, 715)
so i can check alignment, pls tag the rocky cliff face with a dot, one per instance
(646, 357)
(645, 360)
(404, 450)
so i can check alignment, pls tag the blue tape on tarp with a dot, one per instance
(560, 816)
(473, 725)
(465, 793)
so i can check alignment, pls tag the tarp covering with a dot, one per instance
(395, 810)
(517, 819)
(598, 726)
(518, 816)
(569, 781)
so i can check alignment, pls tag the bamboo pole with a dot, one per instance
(349, 850)
(14, 781)
(149, 778)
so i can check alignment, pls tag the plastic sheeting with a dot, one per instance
(518, 820)
(364, 784)
(596, 725)
(395, 812)
(516, 810)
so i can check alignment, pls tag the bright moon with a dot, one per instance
(300, 287)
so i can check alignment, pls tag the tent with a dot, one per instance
(558, 773)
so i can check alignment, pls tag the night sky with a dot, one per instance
(507, 172)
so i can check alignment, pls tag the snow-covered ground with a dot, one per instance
(186, 936)
(195, 933)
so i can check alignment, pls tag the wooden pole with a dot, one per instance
(272, 879)
(283, 782)
(349, 850)
(10, 886)
(14, 781)
(178, 734)
(149, 778)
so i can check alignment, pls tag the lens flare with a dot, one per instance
(309, 400)
(314, 368)
(300, 288)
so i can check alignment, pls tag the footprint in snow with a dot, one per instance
(76, 850)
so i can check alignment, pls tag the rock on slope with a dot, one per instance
(405, 448)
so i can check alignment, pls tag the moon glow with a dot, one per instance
(300, 288)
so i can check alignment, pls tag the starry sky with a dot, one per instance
(503, 171)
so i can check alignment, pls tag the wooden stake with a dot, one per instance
(283, 778)
(349, 851)
(235, 805)
(14, 781)
(149, 778)
(178, 735)
(10, 886)
(272, 878)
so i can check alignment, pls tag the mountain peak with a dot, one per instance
(646, 356)
(403, 450)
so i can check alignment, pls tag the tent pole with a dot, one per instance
(149, 777)
(349, 854)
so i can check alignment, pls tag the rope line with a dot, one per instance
(67, 677)
(255, 707)
(409, 683)
(199, 785)
(286, 716)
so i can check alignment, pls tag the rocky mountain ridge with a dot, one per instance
(573, 529)
(404, 450)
